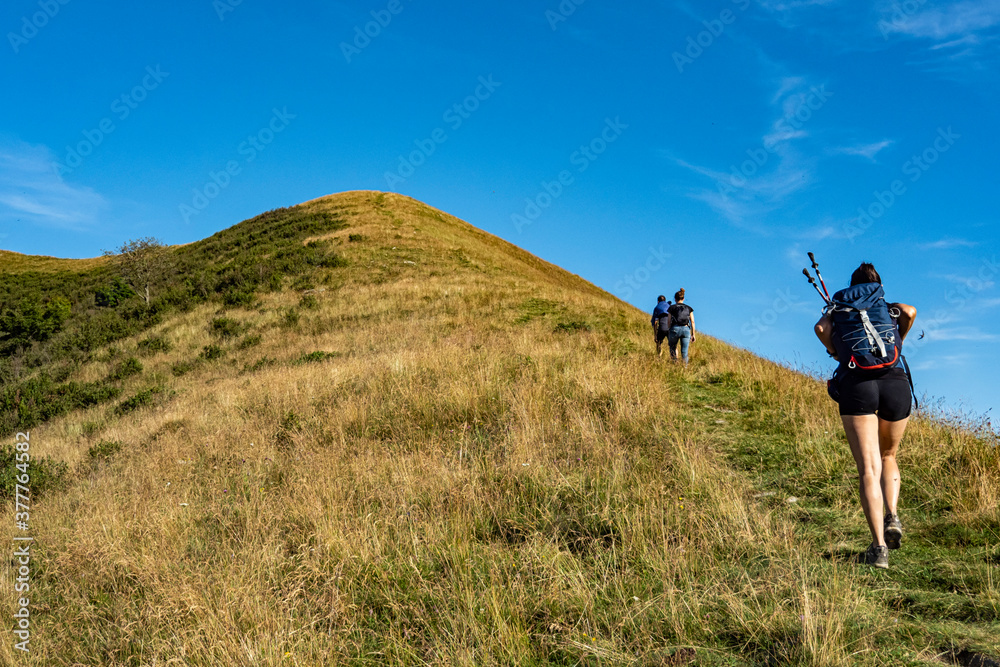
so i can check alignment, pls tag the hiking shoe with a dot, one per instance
(877, 556)
(893, 531)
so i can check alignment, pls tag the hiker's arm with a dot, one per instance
(907, 316)
(824, 331)
(692, 327)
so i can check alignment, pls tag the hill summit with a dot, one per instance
(362, 431)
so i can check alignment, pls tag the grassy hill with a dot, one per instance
(361, 431)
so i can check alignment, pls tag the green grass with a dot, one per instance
(490, 469)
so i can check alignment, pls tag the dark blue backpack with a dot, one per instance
(865, 333)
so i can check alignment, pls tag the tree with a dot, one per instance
(141, 262)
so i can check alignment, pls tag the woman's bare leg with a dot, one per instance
(863, 435)
(889, 435)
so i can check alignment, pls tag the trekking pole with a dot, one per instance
(812, 281)
(812, 258)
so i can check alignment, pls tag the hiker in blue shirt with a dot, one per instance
(659, 322)
(872, 385)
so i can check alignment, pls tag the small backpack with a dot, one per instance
(865, 333)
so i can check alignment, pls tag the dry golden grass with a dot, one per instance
(15, 262)
(476, 478)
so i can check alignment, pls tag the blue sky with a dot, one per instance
(645, 147)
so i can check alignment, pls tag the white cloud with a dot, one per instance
(974, 284)
(782, 132)
(764, 175)
(31, 191)
(961, 41)
(790, 5)
(704, 171)
(788, 84)
(940, 318)
(867, 151)
(969, 334)
(748, 198)
(947, 361)
(788, 12)
(962, 36)
(957, 21)
(948, 244)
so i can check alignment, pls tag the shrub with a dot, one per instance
(104, 328)
(291, 319)
(30, 402)
(111, 354)
(62, 373)
(32, 322)
(210, 352)
(309, 302)
(143, 399)
(183, 367)
(114, 294)
(355, 238)
(315, 357)
(571, 326)
(152, 345)
(333, 261)
(225, 327)
(44, 473)
(239, 298)
(248, 342)
(105, 449)
(125, 369)
(87, 395)
(263, 362)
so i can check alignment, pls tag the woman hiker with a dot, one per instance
(874, 401)
(680, 326)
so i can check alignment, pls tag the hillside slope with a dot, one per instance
(361, 431)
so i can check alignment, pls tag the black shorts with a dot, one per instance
(661, 335)
(887, 395)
